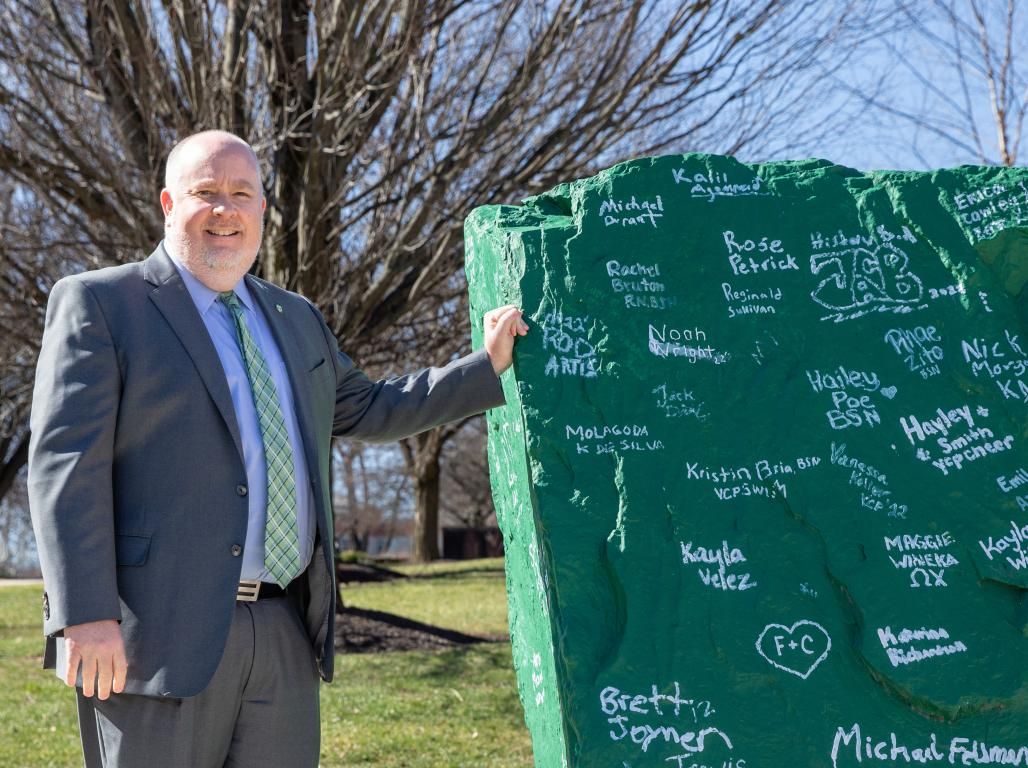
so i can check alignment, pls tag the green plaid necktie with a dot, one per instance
(281, 535)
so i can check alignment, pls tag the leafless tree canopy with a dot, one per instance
(465, 498)
(952, 85)
(379, 125)
(373, 501)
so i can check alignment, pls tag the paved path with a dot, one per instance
(20, 582)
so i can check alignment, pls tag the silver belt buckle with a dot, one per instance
(247, 591)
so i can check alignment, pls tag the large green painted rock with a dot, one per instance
(762, 472)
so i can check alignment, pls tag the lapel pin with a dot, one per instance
(278, 307)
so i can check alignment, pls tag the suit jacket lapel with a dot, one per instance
(174, 302)
(285, 334)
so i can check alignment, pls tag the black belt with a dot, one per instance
(250, 591)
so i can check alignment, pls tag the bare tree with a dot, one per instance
(464, 482)
(375, 501)
(17, 544)
(422, 454)
(22, 300)
(379, 125)
(952, 87)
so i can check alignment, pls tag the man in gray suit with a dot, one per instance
(179, 481)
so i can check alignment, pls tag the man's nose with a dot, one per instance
(223, 205)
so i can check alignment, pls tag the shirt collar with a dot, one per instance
(202, 296)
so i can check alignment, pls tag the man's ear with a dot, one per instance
(166, 201)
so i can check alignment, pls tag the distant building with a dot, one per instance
(463, 543)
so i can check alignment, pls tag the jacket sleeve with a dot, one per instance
(74, 415)
(394, 408)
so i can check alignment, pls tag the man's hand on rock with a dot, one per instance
(502, 326)
(100, 650)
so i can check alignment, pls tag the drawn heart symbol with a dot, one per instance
(798, 649)
(889, 392)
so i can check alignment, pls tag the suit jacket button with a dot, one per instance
(241, 490)
(236, 550)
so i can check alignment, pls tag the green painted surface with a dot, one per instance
(762, 471)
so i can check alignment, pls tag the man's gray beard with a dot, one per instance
(221, 264)
(226, 265)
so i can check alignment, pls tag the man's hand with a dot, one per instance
(502, 325)
(99, 648)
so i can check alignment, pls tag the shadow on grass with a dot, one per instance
(358, 573)
(363, 630)
(349, 573)
(449, 575)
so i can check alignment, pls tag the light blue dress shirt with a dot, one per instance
(221, 327)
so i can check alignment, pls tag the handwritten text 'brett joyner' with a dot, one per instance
(663, 719)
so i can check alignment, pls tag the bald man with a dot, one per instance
(179, 481)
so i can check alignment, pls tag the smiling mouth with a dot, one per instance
(214, 233)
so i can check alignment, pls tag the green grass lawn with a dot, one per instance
(454, 708)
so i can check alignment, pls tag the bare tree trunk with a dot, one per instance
(7, 566)
(390, 531)
(340, 605)
(354, 506)
(426, 513)
(422, 454)
(360, 542)
(9, 468)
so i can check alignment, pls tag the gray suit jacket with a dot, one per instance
(137, 486)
